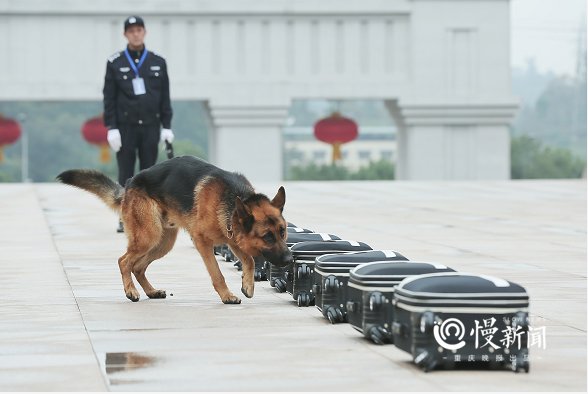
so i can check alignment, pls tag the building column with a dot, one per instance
(249, 140)
(454, 142)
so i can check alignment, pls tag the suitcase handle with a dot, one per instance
(351, 306)
(398, 329)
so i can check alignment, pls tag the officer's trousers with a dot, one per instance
(136, 139)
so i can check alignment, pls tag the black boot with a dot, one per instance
(120, 228)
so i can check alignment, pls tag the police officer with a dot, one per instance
(137, 109)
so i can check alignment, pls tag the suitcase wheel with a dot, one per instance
(280, 285)
(302, 271)
(259, 274)
(424, 360)
(376, 300)
(378, 335)
(331, 284)
(520, 364)
(303, 299)
(335, 315)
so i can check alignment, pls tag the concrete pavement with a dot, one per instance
(65, 324)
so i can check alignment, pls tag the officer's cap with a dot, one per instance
(134, 21)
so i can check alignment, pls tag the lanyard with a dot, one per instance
(132, 63)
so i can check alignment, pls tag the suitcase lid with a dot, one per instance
(294, 238)
(385, 275)
(460, 290)
(311, 249)
(365, 256)
(298, 230)
(340, 264)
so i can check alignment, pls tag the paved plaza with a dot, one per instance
(65, 324)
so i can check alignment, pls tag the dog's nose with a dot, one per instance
(288, 259)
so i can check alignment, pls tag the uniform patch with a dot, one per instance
(113, 57)
(125, 69)
(155, 68)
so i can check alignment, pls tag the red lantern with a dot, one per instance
(95, 133)
(336, 130)
(9, 133)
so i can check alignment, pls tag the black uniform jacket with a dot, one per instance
(122, 106)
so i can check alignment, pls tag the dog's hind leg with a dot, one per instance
(165, 245)
(248, 266)
(143, 229)
(205, 247)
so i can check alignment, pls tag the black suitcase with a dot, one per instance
(299, 278)
(447, 320)
(277, 275)
(370, 290)
(331, 273)
(260, 269)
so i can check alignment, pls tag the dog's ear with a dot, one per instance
(244, 215)
(280, 199)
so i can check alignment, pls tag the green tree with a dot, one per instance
(313, 172)
(558, 118)
(378, 170)
(531, 160)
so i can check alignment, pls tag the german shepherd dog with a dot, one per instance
(214, 206)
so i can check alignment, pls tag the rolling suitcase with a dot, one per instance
(455, 318)
(331, 273)
(299, 278)
(370, 290)
(277, 275)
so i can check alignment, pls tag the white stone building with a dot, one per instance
(441, 66)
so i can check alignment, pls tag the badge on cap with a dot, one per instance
(132, 20)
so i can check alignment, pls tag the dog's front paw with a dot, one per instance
(132, 295)
(247, 290)
(157, 294)
(231, 300)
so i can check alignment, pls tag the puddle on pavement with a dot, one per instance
(120, 362)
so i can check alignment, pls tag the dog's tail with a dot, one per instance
(95, 182)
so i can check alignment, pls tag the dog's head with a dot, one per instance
(261, 228)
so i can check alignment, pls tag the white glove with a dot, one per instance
(114, 140)
(167, 135)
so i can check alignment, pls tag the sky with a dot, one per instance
(547, 30)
